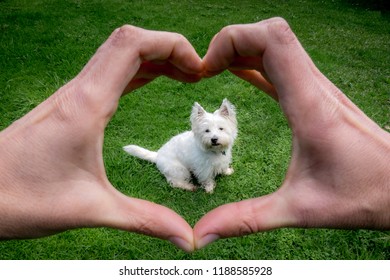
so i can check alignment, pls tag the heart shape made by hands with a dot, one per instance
(67, 131)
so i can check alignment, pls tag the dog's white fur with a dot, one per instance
(204, 152)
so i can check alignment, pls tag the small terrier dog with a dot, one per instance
(203, 152)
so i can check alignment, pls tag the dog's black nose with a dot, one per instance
(214, 140)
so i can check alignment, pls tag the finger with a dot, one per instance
(256, 79)
(250, 216)
(118, 60)
(119, 211)
(270, 47)
(172, 47)
(247, 42)
(225, 48)
(149, 71)
(301, 88)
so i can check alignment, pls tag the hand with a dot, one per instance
(52, 172)
(339, 174)
(53, 177)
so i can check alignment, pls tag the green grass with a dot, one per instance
(43, 44)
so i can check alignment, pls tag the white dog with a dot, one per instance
(204, 152)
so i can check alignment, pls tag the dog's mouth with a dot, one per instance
(215, 144)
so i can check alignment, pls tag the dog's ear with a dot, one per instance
(197, 112)
(227, 110)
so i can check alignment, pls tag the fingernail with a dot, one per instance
(207, 239)
(182, 244)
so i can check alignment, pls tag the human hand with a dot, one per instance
(333, 141)
(52, 172)
(339, 174)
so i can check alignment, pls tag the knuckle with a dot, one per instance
(145, 228)
(179, 37)
(247, 227)
(229, 31)
(248, 223)
(280, 31)
(142, 226)
(124, 34)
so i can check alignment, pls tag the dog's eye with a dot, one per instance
(221, 128)
(207, 130)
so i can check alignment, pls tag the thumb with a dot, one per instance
(242, 218)
(136, 215)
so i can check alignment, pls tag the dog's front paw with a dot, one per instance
(228, 171)
(209, 187)
(183, 185)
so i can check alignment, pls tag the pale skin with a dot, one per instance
(339, 174)
(52, 172)
(52, 176)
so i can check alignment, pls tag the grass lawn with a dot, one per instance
(43, 44)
